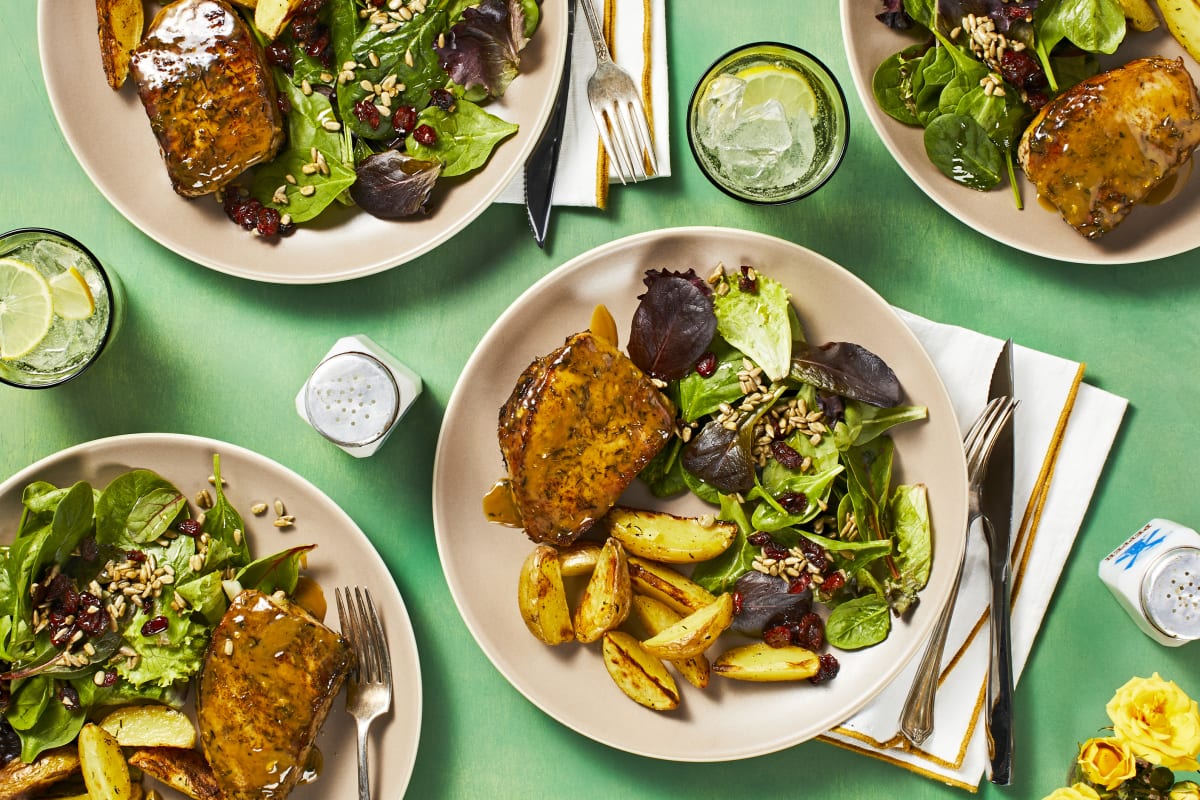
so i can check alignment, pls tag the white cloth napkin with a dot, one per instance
(639, 44)
(1064, 430)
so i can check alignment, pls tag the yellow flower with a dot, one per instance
(1158, 721)
(1080, 791)
(1107, 762)
(1185, 790)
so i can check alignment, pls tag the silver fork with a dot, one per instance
(617, 106)
(369, 690)
(916, 718)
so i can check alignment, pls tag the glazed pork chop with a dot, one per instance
(1101, 147)
(579, 426)
(270, 676)
(208, 93)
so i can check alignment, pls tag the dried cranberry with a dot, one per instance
(316, 45)
(793, 502)
(707, 365)
(287, 228)
(748, 281)
(814, 553)
(310, 6)
(827, 669)
(800, 583)
(758, 539)
(303, 26)
(367, 113)
(109, 679)
(279, 55)
(404, 120)
(155, 626)
(69, 697)
(810, 632)
(246, 214)
(833, 581)
(268, 222)
(1036, 100)
(189, 527)
(283, 104)
(136, 556)
(1022, 70)
(442, 98)
(425, 135)
(91, 622)
(786, 455)
(778, 636)
(234, 197)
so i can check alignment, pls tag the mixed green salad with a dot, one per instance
(109, 596)
(983, 68)
(790, 440)
(383, 99)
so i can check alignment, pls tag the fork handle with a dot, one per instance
(916, 718)
(1000, 673)
(601, 46)
(364, 773)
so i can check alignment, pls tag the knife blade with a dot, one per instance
(996, 504)
(542, 164)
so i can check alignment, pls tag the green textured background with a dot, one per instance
(218, 356)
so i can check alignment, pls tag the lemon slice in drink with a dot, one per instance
(26, 309)
(775, 81)
(71, 296)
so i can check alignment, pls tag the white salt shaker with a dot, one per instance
(357, 394)
(1155, 576)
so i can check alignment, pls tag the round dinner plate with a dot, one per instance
(728, 720)
(110, 135)
(343, 557)
(1148, 233)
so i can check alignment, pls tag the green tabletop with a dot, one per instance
(208, 354)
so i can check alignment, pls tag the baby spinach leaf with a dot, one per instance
(864, 422)
(664, 475)
(466, 137)
(274, 572)
(858, 623)
(777, 480)
(699, 395)
(936, 69)
(849, 370)
(961, 149)
(755, 320)
(72, 521)
(720, 574)
(892, 86)
(227, 544)
(137, 507)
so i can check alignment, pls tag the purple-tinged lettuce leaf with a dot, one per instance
(483, 50)
(850, 370)
(392, 184)
(673, 325)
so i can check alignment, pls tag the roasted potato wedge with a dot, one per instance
(1140, 14)
(762, 663)
(578, 559)
(183, 770)
(693, 634)
(119, 25)
(272, 16)
(20, 780)
(607, 596)
(639, 675)
(150, 726)
(1183, 21)
(664, 537)
(666, 584)
(102, 762)
(542, 598)
(245, 3)
(656, 616)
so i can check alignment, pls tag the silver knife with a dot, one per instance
(543, 161)
(997, 518)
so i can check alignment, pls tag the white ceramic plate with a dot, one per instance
(729, 720)
(343, 557)
(110, 135)
(1150, 232)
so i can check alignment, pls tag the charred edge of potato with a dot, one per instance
(655, 617)
(19, 780)
(641, 676)
(542, 597)
(182, 769)
(693, 634)
(120, 24)
(761, 663)
(668, 585)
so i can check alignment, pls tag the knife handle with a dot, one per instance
(1000, 669)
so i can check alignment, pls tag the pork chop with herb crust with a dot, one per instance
(579, 426)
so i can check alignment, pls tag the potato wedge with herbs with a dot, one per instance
(664, 537)
(119, 25)
(150, 726)
(656, 616)
(578, 559)
(760, 662)
(1140, 14)
(183, 770)
(102, 762)
(272, 16)
(668, 585)
(641, 676)
(542, 598)
(1183, 21)
(19, 780)
(693, 634)
(607, 596)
